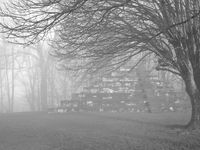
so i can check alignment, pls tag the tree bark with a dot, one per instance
(194, 94)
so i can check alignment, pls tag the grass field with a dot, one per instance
(96, 131)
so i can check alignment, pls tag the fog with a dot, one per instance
(99, 75)
(34, 80)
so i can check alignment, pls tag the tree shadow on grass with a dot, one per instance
(177, 126)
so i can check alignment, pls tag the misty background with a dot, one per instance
(32, 79)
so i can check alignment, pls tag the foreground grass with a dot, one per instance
(96, 131)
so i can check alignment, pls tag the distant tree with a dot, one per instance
(30, 81)
(8, 59)
(110, 33)
(38, 76)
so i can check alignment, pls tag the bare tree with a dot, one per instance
(115, 31)
(37, 60)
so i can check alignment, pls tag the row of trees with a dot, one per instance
(30, 75)
(110, 33)
(29, 78)
(7, 75)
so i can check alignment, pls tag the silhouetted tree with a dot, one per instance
(115, 31)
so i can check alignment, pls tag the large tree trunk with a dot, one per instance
(194, 94)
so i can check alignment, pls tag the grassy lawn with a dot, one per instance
(96, 131)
